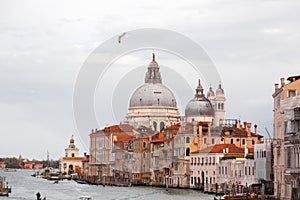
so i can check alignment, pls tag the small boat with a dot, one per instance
(4, 189)
(10, 170)
(55, 182)
(80, 181)
(85, 198)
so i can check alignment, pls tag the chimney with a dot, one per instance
(282, 82)
(249, 129)
(96, 130)
(276, 87)
(92, 130)
(245, 126)
(238, 124)
(255, 128)
(84, 154)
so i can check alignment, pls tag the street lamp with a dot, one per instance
(167, 183)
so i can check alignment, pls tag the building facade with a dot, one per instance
(71, 163)
(286, 143)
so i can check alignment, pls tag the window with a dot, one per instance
(291, 93)
(154, 126)
(204, 140)
(198, 161)
(192, 180)
(231, 141)
(73, 155)
(144, 145)
(213, 141)
(225, 170)
(187, 140)
(245, 170)
(187, 152)
(243, 141)
(253, 142)
(162, 126)
(192, 160)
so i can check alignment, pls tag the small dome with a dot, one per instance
(199, 105)
(210, 93)
(220, 90)
(151, 94)
(72, 140)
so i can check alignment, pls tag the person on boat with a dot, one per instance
(38, 196)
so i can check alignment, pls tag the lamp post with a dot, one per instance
(167, 183)
(103, 180)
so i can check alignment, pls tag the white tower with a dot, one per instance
(219, 107)
(72, 150)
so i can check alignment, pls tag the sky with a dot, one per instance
(43, 45)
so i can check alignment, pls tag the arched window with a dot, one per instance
(154, 126)
(222, 106)
(187, 140)
(187, 151)
(162, 126)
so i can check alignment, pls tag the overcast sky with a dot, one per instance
(43, 45)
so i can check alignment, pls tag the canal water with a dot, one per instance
(25, 187)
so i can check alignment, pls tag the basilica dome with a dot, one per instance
(150, 94)
(199, 106)
(153, 104)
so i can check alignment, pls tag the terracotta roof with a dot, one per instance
(122, 137)
(74, 158)
(237, 132)
(218, 148)
(157, 140)
(118, 128)
(175, 126)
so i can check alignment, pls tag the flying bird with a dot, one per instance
(119, 38)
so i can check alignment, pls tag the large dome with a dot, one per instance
(199, 105)
(151, 94)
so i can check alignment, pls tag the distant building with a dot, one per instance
(263, 157)
(2, 165)
(287, 139)
(32, 165)
(71, 162)
(205, 162)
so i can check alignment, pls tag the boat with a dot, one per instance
(10, 170)
(4, 189)
(85, 198)
(80, 181)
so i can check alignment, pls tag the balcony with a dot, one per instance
(292, 171)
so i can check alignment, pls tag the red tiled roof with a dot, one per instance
(118, 128)
(218, 148)
(157, 140)
(122, 137)
(74, 158)
(237, 132)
